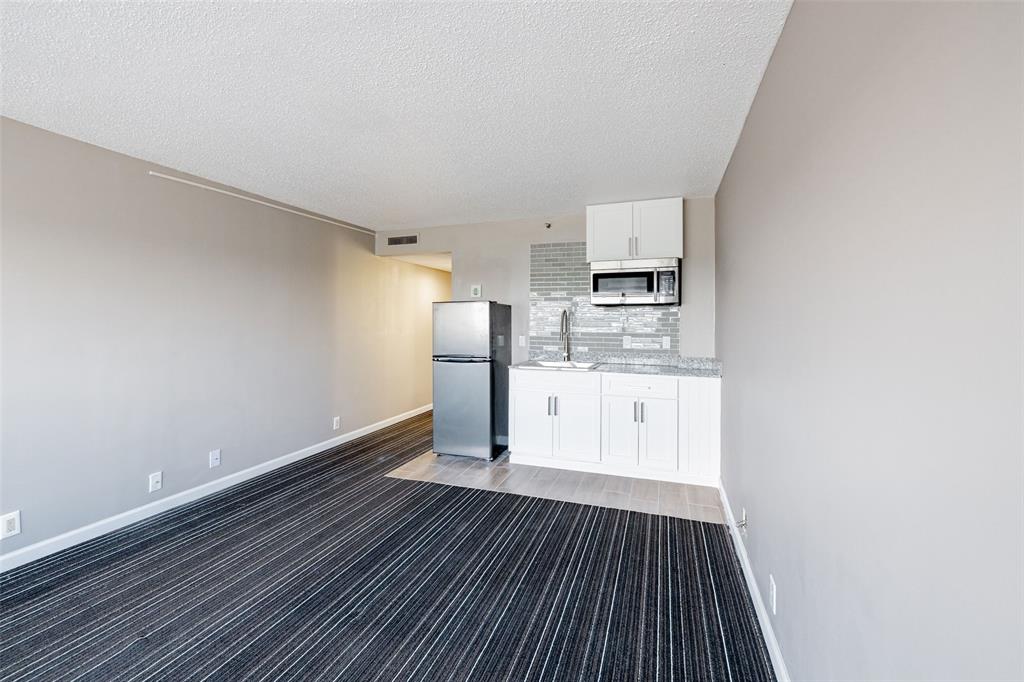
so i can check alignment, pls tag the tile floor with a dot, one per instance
(699, 503)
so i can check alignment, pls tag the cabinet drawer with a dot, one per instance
(640, 385)
(555, 381)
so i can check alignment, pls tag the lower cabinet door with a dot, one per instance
(619, 425)
(531, 427)
(577, 427)
(659, 434)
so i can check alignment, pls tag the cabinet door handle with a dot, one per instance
(634, 410)
(556, 405)
(630, 242)
(549, 406)
(636, 246)
(641, 412)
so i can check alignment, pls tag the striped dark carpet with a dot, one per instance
(328, 570)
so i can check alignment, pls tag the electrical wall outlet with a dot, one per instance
(10, 524)
(336, 424)
(215, 458)
(522, 342)
(476, 290)
(772, 592)
(666, 342)
(627, 341)
(156, 481)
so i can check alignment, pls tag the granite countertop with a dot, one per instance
(681, 370)
(657, 370)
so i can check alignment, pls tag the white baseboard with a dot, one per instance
(46, 547)
(781, 673)
(536, 460)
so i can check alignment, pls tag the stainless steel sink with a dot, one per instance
(559, 364)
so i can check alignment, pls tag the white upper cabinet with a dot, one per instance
(609, 231)
(658, 228)
(635, 229)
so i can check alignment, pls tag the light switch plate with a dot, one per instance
(666, 342)
(156, 481)
(476, 290)
(215, 458)
(522, 342)
(627, 341)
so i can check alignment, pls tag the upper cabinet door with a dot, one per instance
(610, 231)
(658, 228)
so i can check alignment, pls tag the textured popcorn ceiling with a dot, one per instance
(396, 115)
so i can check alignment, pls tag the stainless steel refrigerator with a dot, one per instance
(472, 353)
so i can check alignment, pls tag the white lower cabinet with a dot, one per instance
(620, 430)
(560, 418)
(640, 432)
(531, 427)
(647, 426)
(700, 427)
(577, 427)
(659, 434)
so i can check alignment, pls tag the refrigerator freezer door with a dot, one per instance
(462, 328)
(462, 409)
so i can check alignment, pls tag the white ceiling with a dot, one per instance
(398, 115)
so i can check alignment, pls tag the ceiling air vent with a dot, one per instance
(404, 240)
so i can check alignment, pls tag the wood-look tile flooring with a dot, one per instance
(698, 503)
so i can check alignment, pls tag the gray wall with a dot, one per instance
(497, 255)
(146, 322)
(869, 326)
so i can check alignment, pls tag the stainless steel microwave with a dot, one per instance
(652, 281)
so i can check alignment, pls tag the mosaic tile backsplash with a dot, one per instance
(560, 279)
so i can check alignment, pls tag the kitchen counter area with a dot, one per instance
(653, 421)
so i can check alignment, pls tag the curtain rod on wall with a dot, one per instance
(348, 226)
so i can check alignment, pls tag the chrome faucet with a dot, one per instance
(564, 334)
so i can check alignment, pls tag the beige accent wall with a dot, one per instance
(146, 323)
(870, 299)
(497, 256)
